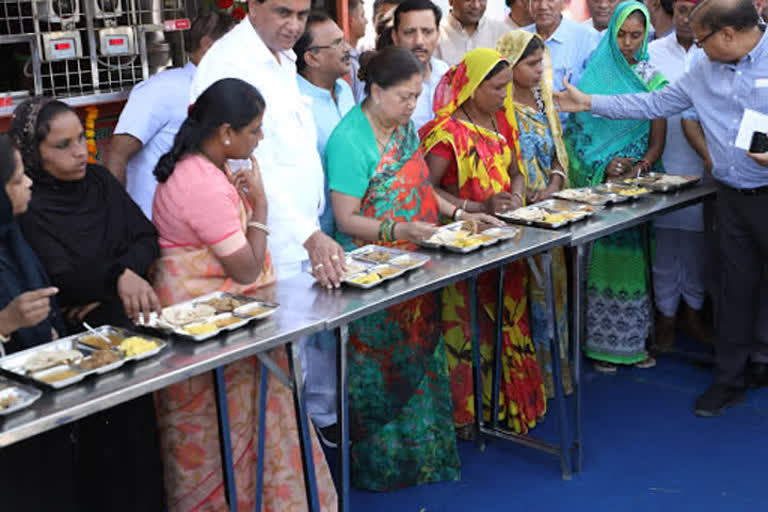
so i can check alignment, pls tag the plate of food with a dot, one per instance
(15, 396)
(586, 195)
(133, 346)
(659, 182)
(551, 213)
(623, 190)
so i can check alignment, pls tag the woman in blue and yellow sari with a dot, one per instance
(400, 411)
(599, 150)
(545, 165)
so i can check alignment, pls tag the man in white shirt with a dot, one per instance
(259, 51)
(519, 16)
(465, 28)
(681, 249)
(153, 114)
(600, 12)
(415, 29)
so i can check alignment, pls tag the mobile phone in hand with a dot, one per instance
(759, 143)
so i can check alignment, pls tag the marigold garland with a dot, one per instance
(92, 113)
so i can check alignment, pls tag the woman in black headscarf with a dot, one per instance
(92, 239)
(96, 246)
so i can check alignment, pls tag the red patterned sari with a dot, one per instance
(481, 159)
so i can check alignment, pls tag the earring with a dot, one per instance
(226, 142)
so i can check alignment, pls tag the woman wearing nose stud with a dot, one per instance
(618, 310)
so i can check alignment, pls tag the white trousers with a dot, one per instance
(679, 269)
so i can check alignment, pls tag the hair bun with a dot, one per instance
(365, 60)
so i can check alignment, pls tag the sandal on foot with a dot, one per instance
(606, 368)
(648, 362)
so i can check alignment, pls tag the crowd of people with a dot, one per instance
(232, 174)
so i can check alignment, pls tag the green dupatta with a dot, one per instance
(592, 141)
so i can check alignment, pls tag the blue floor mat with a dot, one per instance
(644, 450)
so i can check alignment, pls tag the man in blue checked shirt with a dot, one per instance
(733, 79)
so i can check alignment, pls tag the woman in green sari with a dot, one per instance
(599, 150)
(401, 419)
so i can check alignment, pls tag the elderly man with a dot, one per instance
(322, 58)
(600, 12)
(519, 16)
(153, 114)
(288, 154)
(465, 28)
(570, 44)
(681, 249)
(721, 89)
(415, 29)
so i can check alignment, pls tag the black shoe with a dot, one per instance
(757, 376)
(716, 399)
(329, 435)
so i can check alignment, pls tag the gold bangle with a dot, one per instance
(258, 225)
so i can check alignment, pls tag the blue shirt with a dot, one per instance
(153, 114)
(570, 47)
(719, 92)
(327, 114)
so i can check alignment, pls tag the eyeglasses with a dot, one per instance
(335, 45)
(700, 43)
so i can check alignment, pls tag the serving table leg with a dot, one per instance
(302, 420)
(342, 418)
(225, 440)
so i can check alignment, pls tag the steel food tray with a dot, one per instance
(24, 395)
(460, 237)
(14, 363)
(221, 318)
(117, 335)
(621, 190)
(535, 214)
(588, 195)
(659, 182)
(381, 255)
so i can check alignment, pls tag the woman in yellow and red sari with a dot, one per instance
(473, 155)
(211, 227)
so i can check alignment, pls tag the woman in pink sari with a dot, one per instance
(213, 237)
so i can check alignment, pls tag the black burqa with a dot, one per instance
(86, 232)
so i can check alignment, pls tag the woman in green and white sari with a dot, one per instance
(599, 150)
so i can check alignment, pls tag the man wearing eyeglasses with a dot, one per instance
(322, 58)
(732, 80)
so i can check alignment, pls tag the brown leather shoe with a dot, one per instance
(694, 326)
(665, 334)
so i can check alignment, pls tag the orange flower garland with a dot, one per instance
(92, 113)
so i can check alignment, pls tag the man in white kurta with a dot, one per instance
(259, 51)
(681, 249)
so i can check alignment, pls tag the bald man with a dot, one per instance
(732, 79)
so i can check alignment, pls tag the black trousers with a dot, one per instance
(743, 250)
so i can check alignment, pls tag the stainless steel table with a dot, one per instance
(340, 307)
(178, 362)
(608, 221)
